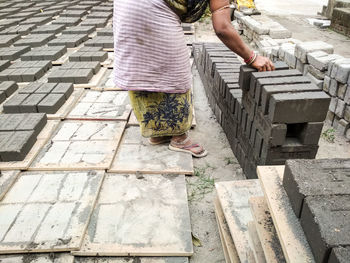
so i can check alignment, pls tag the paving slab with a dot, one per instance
(140, 216)
(81, 145)
(48, 53)
(9, 87)
(79, 30)
(304, 178)
(34, 206)
(7, 179)
(69, 40)
(137, 156)
(36, 40)
(48, 29)
(266, 230)
(38, 258)
(105, 105)
(233, 197)
(293, 241)
(13, 53)
(8, 40)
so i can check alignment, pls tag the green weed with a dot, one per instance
(329, 135)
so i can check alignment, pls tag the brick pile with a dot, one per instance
(268, 117)
(319, 192)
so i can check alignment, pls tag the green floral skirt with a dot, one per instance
(162, 114)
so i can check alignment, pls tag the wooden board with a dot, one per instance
(101, 105)
(226, 239)
(67, 107)
(7, 179)
(233, 197)
(255, 243)
(140, 216)
(48, 211)
(291, 235)
(266, 230)
(109, 62)
(107, 82)
(131, 260)
(93, 83)
(41, 141)
(38, 258)
(136, 155)
(80, 145)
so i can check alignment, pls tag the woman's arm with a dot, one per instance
(229, 36)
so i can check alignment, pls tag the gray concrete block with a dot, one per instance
(64, 88)
(340, 109)
(32, 121)
(309, 133)
(8, 87)
(333, 87)
(9, 122)
(316, 72)
(325, 220)
(298, 107)
(342, 70)
(326, 84)
(339, 255)
(31, 88)
(12, 105)
(342, 127)
(30, 104)
(303, 178)
(342, 89)
(347, 113)
(302, 49)
(51, 103)
(17, 146)
(4, 64)
(46, 88)
(317, 82)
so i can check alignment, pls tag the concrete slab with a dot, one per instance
(293, 241)
(106, 105)
(233, 197)
(7, 179)
(266, 230)
(34, 205)
(136, 155)
(131, 259)
(140, 216)
(81, 145)
(39, 258)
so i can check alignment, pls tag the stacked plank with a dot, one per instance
(268, 117)
(293, 213)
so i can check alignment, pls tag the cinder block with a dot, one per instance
(310, 133)
(46, 88)
(245, 76)
(342, 88)
(326, 84)
(325, 220)
(17, 146)
(320, 59)
(302, 49)
(303, 178)
(12, 105)
(32, 121)
(9, 122)
(342, 127)
(339, 255)
(342, 70)
(51, 103)
(347, 113)
(30, 104)
(317, 82)
(298, 107)
(339, 111)
(8, 87)
(64, 88)
(268, 90)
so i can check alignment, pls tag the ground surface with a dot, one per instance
(220, 164)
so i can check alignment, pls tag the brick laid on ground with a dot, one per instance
(51, 103)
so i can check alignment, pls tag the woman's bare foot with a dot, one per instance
(183, 143)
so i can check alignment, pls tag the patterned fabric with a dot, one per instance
(189, 11)
(150, 48)
(162, 114)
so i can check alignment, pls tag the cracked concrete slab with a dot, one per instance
(34, 205)
(140, 215)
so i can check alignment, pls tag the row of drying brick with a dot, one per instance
(319, 193)
(291, 128)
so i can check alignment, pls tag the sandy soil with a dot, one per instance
(221, 164)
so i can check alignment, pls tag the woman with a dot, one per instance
(152, 62)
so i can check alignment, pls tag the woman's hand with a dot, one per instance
(263, 64)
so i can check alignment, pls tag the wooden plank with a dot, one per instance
(80, 145)
(34, 207)
(225, 235)
(293, 241)
(140, 216)
(233, 197)
(266, 230)
(67, 107)
(255, 243)
(101, 105)
(42, 139)
(7, 179)
(130, 260)
(38, 258)
(136, 155)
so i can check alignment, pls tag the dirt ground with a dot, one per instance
(221, 164)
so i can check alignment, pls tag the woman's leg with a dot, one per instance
(184, 143)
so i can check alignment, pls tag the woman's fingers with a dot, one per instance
(263, 64)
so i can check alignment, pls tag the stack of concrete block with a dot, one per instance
(337, 85)
(18, 133)
(319, 192)
(268, 117)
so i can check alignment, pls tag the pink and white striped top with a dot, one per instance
(150, 47)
